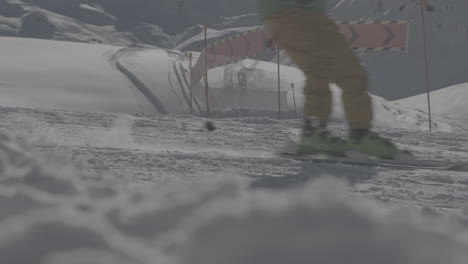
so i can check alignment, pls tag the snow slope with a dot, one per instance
(124, 22)
(50, 75)
(106, 181)
(449, 102)
(64, 75)
(263, 76)
(151, 189)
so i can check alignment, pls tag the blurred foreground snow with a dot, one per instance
(52, 212)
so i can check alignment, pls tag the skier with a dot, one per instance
(313, 41)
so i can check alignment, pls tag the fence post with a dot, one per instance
(294, 99)
(206, 74)
(191, 92)
(279, 82)
(423, 4)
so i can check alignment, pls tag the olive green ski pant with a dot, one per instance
(324, 55)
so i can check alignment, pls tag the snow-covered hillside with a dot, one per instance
(263, 76)
(151, 189)
(100, 162)
(64, 75)
(84, 77)
(171, 24)
(451, 102)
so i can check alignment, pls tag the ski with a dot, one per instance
(403, 160)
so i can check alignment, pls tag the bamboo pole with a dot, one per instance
(279, 82)
(294, 99)
(206, 74)
(191, 88)
(423, 4)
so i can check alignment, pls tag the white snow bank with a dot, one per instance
(319, 224)
(393, 115)
(53, 213)
(83, 77)
(263, 76)
(160, 71)
(449, 102)
(64, 75)
(170, 81)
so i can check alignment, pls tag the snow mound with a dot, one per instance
(317, 226)
(393, 115)
(48, 74)
(263, 76)
(449, 102)
(128, 80)
(54, 213)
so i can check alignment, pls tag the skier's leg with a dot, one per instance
(348, 73)
(296, 33)
(317, 109)
(356, 100)
(318, 101)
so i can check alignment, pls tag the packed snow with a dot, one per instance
(112, 188)
(64, 75)
(98, 176)
(141, 79)
(449, 102)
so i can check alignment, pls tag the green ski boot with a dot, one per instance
(316, 140)
(370, 143)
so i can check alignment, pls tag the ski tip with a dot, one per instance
(404, 155)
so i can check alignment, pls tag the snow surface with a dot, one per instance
(64, 75)
(449, 102)
(262, 76)
(129, 189)
(90, 174)
(59, 79)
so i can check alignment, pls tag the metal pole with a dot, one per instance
(294, 99)
(423, 4)
(191, 92)
(206, 75)
(279, 82)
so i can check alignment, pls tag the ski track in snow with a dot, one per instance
(156, 149)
